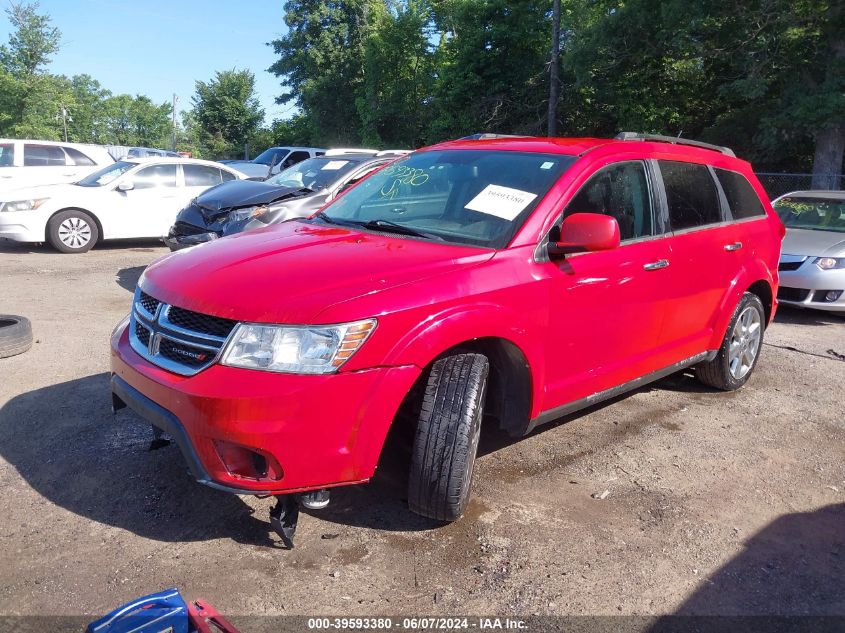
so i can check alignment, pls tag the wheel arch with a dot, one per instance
(757, 280)
(90, 214)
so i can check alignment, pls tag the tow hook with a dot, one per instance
(284, 517)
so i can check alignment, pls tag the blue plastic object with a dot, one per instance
(162, 612)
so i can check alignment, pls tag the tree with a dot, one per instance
(227, 112)
(30, 97)
(32, 43)
(490, 67)
(321, 64)
(398, 75)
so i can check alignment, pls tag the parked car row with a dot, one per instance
(140, 196)
(514, 280)
(812, 261)
(298, 191)
(131, 198)
(24, 163)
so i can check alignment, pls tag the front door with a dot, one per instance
(607, 307)
(150, 207)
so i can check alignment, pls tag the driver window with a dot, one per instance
(621, 191)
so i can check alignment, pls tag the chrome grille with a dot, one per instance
(148, 303)
(176, 339)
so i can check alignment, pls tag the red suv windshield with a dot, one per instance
(473, 197)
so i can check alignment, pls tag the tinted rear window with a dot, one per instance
(690, 194)
(43, 155)
(79, 159)
(741, 196)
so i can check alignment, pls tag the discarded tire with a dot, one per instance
(15, 335)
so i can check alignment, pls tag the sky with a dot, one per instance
(157, 47)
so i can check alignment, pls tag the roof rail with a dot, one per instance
(484, 136)
(658, 138)
(393, 152)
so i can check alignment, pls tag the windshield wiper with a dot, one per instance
(330, 220)
(387, 226)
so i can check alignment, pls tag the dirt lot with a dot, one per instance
(718, 503)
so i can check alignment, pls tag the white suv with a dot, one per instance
(24, 163)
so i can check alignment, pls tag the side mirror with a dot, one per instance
(584, 232)
(126, 185)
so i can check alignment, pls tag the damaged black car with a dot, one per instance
(296, 192)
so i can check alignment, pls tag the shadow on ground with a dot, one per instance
(807, 316)
(138, 245)
(127, 278)
(791, 569)
(64, 441)
(98, 465)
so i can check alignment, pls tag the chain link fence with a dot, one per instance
(779, 184)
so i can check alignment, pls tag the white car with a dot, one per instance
(24, 163)
(132, 198)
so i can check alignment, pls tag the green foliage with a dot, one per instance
(321, 63)
(227, 113)
(32, 43)
(490, 67)
(764, 76)
(398, 75)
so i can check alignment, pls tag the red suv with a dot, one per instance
(518, 279)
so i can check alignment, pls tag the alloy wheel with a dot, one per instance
(745, 342)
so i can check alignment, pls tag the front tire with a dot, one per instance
(740, 349)
(72, 232)
(446, 439)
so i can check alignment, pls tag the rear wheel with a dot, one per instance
(740, 350)
(446, 439)
(72, 232)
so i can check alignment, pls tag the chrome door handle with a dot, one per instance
(733, 247)
(660, 263)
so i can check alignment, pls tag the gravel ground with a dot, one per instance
(716, 503)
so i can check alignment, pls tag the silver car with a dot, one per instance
(812, 261)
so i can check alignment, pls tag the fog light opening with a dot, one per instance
(832, 295)
(248, 463)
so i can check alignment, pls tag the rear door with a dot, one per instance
(198, 178)
(607, 307)
(44, 165)
(701, 252)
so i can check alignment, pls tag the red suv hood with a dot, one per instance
(291, 272)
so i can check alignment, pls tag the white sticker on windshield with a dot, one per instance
(547, 165)
(503, 202)
(333, 165)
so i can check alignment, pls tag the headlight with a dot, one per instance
(247, 213)
(318, 349)
(829, 263)
(22, 205)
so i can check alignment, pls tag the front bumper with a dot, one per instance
(21, 226)
(175, 241)
(322, 431)
(807, 286)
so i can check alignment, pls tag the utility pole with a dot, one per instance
(554, 72)
(173, 131)
(63, 115)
